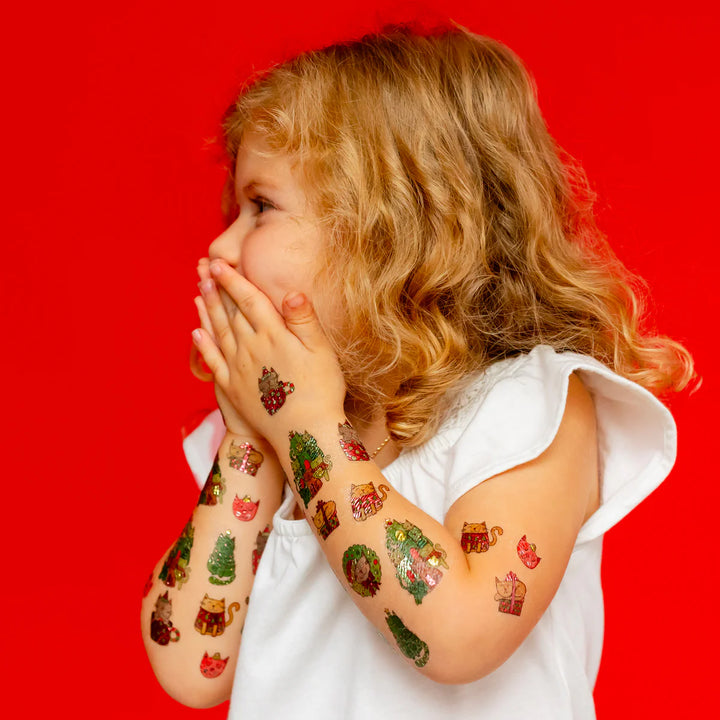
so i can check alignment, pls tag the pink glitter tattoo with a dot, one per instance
(245, 458)
(273, 391)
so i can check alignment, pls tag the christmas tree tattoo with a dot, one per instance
(416, 558)
(222, 560)
(309, 464)
(408, 642)
(175, 569)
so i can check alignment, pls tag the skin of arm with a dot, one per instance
(177, 663)
(472, 609)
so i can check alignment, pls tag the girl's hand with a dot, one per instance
(268, 364)
(233, 421)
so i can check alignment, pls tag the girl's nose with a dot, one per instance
(227, 246)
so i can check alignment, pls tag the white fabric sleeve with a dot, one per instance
(518, 413)
(201, 445)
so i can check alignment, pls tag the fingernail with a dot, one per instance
(295, 301)
(206, 286)
(215, 268)
(196, 336)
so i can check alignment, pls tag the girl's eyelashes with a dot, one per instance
(262, 204)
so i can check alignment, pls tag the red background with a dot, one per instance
(111, 193)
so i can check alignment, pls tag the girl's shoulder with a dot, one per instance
(510, 414)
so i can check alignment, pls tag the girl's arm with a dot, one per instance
(196, 600)
(453, 604)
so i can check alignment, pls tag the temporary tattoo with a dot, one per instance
(362, 570)
(511, 594)
(273, 391)
(408, 642)
(213, 666)
(161, 627)
(210, 619)
(415, 557)
(214, 489)
(475, 537)
(148, 585)
(527, 554)
(245, 458)
(222, 560)
(175, 570)
(245, 509)
(365, 501)
(350, 442)
(260, 543)
(309, 464)
(325, 518)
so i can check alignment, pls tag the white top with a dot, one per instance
(307, 652)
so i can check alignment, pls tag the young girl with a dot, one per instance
(435, 400)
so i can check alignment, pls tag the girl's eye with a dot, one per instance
(262, 204)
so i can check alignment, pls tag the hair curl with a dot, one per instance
(458, 231)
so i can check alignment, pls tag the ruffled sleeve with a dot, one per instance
(201, 445)
(517, 409)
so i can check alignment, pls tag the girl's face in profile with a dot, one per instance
(274, 241)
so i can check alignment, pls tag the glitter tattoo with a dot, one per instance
(245, 509)
(221, 563)
(526, 552)
(475, 537)
(210, 619)
(148, 585)
(365, 501)
(350, 442)
(362, 570)
(511, 594)
(260, 543)
(309, 464)
(325, 518)
(214, 488)
(213, 666)
(410, 645)
(161, 628)
(415, 557)
(245, 458)
(273, 391)
(175, 570)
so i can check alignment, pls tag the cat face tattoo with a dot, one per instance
(475, 537)
(244, 457)
(309, 464)
(362, 570)
(510, 594)
(417, 560)
(350, 442)
(213, 666)
(161, 628)
(526, 552)
(410, 645)
(245, 509)
(365, 500)
(175, 570)
(325, 518)
(210, 619)
(273, 391)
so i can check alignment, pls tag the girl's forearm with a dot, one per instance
(196, 600)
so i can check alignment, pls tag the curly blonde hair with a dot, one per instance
(458, 231)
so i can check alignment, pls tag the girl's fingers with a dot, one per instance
(222, 331)
(254, 305)
(205, 323)
(212, 356)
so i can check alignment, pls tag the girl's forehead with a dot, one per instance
(257, 163)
